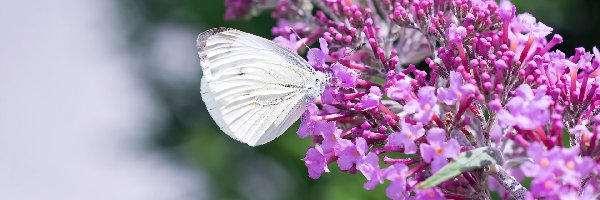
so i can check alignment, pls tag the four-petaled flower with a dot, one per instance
(424, 106)
(345, 77)
(330, 135)
(544, 185)
(329, 95)
(507, 10)
(543, 161)
(438, 150)
(349, 153)
(370, 169)
(371, 100)
(290, 42)
(309, 119)
(457, 34)
(401, 90)
(316, 162)
(317, 57)
(397, 174)
(526, 23)
(573, 167)
(456, 91)
(406, 137)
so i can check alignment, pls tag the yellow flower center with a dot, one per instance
(544, 162)
(333, 137)
(439, 150)
(430, 193)
(548, 184)
(570, 165)
(426, 107)
(356, 153)
(585, 138)
(458, 95)
(409, 135)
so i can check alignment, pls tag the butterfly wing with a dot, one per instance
(253, 88)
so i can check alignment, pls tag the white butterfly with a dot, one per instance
(253, 88)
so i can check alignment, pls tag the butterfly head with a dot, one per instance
(321, 80)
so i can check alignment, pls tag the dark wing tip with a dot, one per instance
(201, 43)
(202, 37)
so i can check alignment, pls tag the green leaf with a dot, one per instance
(466, 161)
(566, 137)
(516, 162)
(526, 182)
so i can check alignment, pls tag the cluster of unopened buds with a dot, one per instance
(438, 83)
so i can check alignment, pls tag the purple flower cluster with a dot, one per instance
(441, 77)
(556, 172)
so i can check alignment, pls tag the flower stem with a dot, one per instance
(516, 190)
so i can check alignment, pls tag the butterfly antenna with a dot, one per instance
(353, 50)
(307, 47)
(328, 75)
(299, 38)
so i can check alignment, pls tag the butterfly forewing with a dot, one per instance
(253, 88)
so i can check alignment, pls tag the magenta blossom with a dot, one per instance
(330, 134)
(317, 57)
(555, 169)
(507, 10)
(397, 174)
(526, 110)
(329, 95)
(371, 100)
(438, 150)
(309, 119)
(370, 169)
(423, 107)
(545, 185)
(316, 162)
(429, 194)
(406, 137)
(457, 34)
(490, 79)
(346, 78)
(456, 91)
(290, 42)
(542, 160)
(349, 153)
(574, 168)
(526, 23)
(401, 89)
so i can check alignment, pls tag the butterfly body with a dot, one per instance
(253, 88)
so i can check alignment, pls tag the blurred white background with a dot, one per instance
(72, 114)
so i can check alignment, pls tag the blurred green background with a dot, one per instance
(188, 136)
